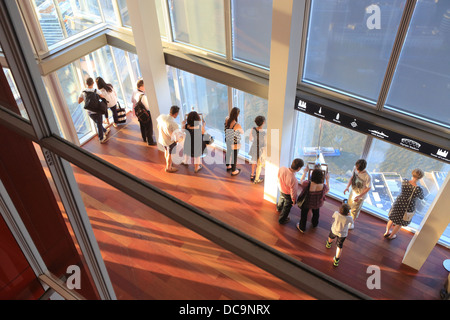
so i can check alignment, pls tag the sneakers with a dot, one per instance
(335, 262)
(258, 181)
(103, 140)
(328, 245)
(299, 229)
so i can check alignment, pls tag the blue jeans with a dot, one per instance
(284, 206)
(98, 119)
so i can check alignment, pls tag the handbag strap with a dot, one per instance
(410, 198)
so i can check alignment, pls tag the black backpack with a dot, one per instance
(94, 103)
(141, 111)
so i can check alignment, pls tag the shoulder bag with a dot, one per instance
(409, 215)
(302, 197)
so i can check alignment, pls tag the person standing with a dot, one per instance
(288, 185)
(316, 189)
(97, 117)
(167, 127)
(146, 126)
(193, 143)
(404, 206)
(361, 185)
(233, 132)
(339, 231)
(257, 149)
(108, 93)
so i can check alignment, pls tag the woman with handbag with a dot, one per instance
(404, 206)
(312, 197)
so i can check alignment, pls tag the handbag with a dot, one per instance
(409, 215)
(121, 114)
(302, 197)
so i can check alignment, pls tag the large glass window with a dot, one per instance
(115, 66)
(252, 30)
(200, 23)
(339, 148)
(207, 97)
(349, 45)
(421, 85)
(126, 21)
(388, 165)
(61, 19)
(251, 106)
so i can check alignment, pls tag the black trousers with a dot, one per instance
(284, 206)
(231, 157)
(147, 132)
(304, 217)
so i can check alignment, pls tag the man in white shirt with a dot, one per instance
(146, 128)
(96, 117)
(167, 127)
(361, 183)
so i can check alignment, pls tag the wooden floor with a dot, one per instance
(148, 256)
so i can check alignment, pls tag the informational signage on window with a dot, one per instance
(365, 127)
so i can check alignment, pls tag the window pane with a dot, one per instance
(346, 50)
(207, 97)
(124, 13)
(15, 92)
(161, 15)
(388, 165)
(67, 18)
(252, 31)
(70, 85)
(340, 148)
(108, 12)
(251, 106)
(421, 85)
(199, 23)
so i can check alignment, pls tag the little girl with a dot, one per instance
(339, 230)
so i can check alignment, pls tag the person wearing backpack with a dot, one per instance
(142, 111)
(94, 108)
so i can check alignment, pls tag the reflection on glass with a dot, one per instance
(350, 43)
(199, 23)
(15, 92)
(421, 84)
(252, 30)
(62, 19)
(340, 148)
(389, 165)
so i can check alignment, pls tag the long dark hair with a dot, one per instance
(234, 114)
(101, 84)
(192, 117)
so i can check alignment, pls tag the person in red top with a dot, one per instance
(316, 190)
(288, 185)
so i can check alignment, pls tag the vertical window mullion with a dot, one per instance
(405, 22)
(228, 30)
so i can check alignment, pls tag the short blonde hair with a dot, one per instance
(418, 173)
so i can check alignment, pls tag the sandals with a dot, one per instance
(199, 168)
(392, 238)
(235, 174)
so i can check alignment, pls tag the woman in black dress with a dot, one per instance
(193, 143)
(405, 202)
